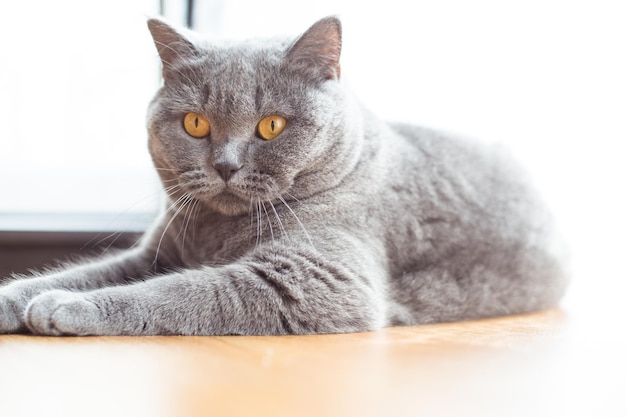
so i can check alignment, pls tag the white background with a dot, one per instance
(75, 80)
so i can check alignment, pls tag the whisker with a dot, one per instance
(198, 209)
(280, 223)
(292, 196)
(107, 237)
(175, 203)
(112, 222)
(306, 233)
(259, 222)
(171, 188)
(269, 221)
(183, 206)
(251, 210)
(119, 234)
(186, 218)
(169, 223)
(137, 242)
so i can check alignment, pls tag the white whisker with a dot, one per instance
(184, 206)
(197, 208)
(259, 222)
(269, 221)
(113, 236)
(280, 223)
(112, 222)
(292, 196)
(175, 203)
(306, 233)
(171, 188)
(169, 223)
(190, 201)
(251, 210)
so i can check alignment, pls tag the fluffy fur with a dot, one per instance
(342, 223)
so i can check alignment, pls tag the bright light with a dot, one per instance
(75, 80)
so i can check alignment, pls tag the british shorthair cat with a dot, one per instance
(291, 209)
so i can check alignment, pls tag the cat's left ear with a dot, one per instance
(171, 45)
(316, 53)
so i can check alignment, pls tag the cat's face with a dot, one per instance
(211, 123)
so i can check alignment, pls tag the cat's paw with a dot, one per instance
(58, 313)
(11, 311)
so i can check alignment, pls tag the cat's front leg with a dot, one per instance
(15, 295)
(281, 292)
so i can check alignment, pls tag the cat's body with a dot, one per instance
(340, 223)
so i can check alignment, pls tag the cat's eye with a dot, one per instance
(196, 125)
(271, 126)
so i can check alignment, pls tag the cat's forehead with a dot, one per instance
(234, 79)
(234, 53)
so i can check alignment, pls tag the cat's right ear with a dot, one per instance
(316, 53)
(173, 47)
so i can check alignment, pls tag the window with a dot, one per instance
(75, 80)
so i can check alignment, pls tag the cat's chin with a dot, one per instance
(229, 204)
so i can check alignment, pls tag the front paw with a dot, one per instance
(57, 313)
(11, 311)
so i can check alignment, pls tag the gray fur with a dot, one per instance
(342, 223)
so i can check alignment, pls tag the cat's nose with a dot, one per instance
(226, 169)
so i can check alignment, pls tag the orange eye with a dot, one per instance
(270, 127)
(196, 125)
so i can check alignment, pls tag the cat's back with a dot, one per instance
(476, 189)
(461, 175)
(463, 217)
(410, 175)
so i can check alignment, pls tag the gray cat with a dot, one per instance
(293, 210)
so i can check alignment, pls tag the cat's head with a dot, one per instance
(240, 122)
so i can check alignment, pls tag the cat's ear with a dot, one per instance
(316, 53)
(171, 45)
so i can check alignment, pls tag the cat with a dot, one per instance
(291, 209)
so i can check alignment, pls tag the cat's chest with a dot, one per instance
(215, 243)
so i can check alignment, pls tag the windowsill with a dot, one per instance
(17, 229)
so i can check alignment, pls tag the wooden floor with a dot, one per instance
(531, 365)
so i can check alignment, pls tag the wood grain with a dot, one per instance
(526, 365)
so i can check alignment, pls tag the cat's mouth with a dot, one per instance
(233, 197)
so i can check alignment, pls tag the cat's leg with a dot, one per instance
(281, 292)
(501, 281)
(16, 294)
